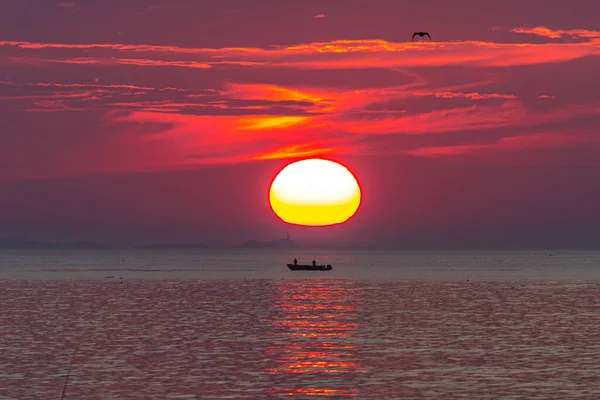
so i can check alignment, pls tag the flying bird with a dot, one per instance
(421, 34)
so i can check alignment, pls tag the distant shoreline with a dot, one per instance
(275, 245)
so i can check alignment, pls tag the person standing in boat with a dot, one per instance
(295, 262)
(314, 263)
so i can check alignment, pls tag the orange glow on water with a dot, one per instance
(315, 192)
(314, 346)
(314, 392)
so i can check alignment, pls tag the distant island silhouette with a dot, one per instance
(283, 243)
(279, 243)
(173, 246)
(24, 244)
(32, 244)
(286, 243)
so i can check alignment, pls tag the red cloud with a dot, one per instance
(336, 119)
(304, 135)
(142, 62)
(510, 143)
(346, 54)
(311, 149)
(84, 85)
(558, 33)
(256, 121)
(472, 96)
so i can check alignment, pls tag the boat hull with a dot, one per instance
(310, 267)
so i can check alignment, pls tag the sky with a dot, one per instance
(147, 121)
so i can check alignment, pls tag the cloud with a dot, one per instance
(319, 16)
(262, 121)
(112, 62)
(67, 4)
(283, 104)
(344, 124)
(83, 85)
(472, 96)
(522, 142)
(338, 54)
(558, 33)
(220, 105)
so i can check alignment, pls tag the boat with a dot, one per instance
(310, 267)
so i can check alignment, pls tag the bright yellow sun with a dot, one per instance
(314, 192)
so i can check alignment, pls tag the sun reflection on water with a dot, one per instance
(313, 338)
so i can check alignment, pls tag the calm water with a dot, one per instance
(381, 325)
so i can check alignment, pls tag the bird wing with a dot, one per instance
(413, 36)
(428, 36)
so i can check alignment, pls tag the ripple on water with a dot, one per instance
(306, 338)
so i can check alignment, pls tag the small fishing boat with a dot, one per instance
(310, 267)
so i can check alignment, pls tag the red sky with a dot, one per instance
(164, 121)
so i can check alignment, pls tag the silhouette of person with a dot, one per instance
(314, 263)
(295, 262)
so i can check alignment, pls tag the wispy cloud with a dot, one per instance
(522, 142)
(86, 85)
(346, 54)
(558, 33)
(243, 113)
(472, 96)
(67, 4)
(111, 62)
(341, 128)
(305, 100)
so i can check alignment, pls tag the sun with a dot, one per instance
(315, 192)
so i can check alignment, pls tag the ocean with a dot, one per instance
(238, 324)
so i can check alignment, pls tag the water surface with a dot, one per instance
(183, 326)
